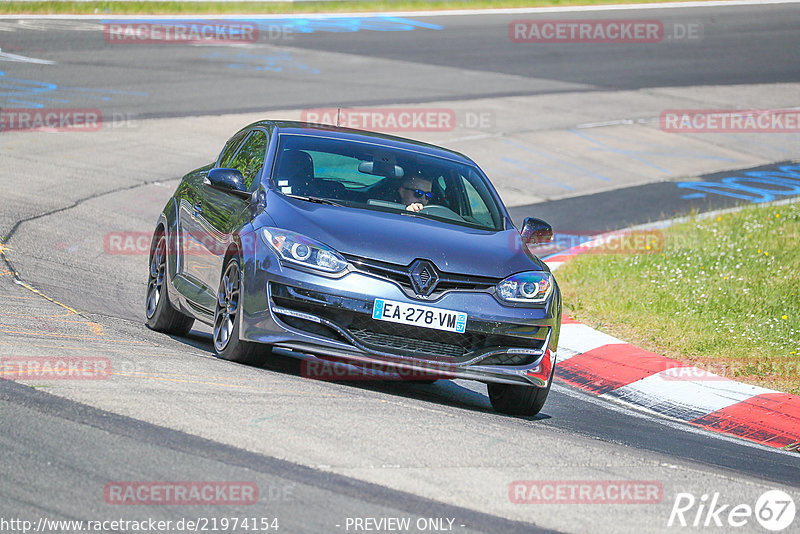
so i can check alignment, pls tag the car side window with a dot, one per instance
(250, 157)
(230, 149)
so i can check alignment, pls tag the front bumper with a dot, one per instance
(330, 317)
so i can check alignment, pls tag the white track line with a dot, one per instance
(5, 56)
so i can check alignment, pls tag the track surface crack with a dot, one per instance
(29, 285)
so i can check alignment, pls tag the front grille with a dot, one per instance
(508, 359)
(393, 342)
(395, 338)
(404, 339)
(399, 274)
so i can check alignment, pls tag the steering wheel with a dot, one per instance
(441, 211)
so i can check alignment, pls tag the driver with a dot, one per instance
(415, 192)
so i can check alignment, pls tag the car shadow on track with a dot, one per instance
(462, 394)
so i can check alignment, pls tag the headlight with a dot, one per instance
(299, 249)
(533, 287)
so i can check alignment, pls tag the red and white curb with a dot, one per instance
(609, 367)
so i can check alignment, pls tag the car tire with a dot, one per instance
(161, 315)
(227, 344)
(512, 399)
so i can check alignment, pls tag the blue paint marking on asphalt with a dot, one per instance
(694, 195)
(308, 24)
(666, 150)
(783, 182)
(629, 153)
(750, 142)
(642, 155)
(526, 166)
(11, 88)
(34, 94)
(559, 160)
(346, 24)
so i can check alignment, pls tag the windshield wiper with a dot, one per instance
(317, 200)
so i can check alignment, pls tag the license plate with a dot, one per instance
(425, 316)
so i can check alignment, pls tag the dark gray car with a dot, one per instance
(391, 255)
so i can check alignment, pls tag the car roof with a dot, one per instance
(335, 132)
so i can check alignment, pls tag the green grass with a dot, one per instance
(723, 294)
(152, 8)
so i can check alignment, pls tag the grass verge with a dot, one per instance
(133, 7)
(722, 294)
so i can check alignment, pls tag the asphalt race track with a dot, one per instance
(567, 131)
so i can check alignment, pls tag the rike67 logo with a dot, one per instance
(774, 510)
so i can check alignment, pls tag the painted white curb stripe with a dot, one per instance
(579, 338)
(565, 353)
(685, 399)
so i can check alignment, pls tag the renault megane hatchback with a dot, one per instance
(358, 247)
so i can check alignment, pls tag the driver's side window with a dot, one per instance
(250, 157)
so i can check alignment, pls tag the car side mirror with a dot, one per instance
(536, 231)
(227, 180)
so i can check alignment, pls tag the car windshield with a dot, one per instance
(372, 176)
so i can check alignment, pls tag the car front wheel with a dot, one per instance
(512, 399)
(227, 344)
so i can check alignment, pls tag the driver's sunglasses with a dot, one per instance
(419, 193)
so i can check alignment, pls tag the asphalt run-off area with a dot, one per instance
(593, 119)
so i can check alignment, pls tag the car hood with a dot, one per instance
(402, 238)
